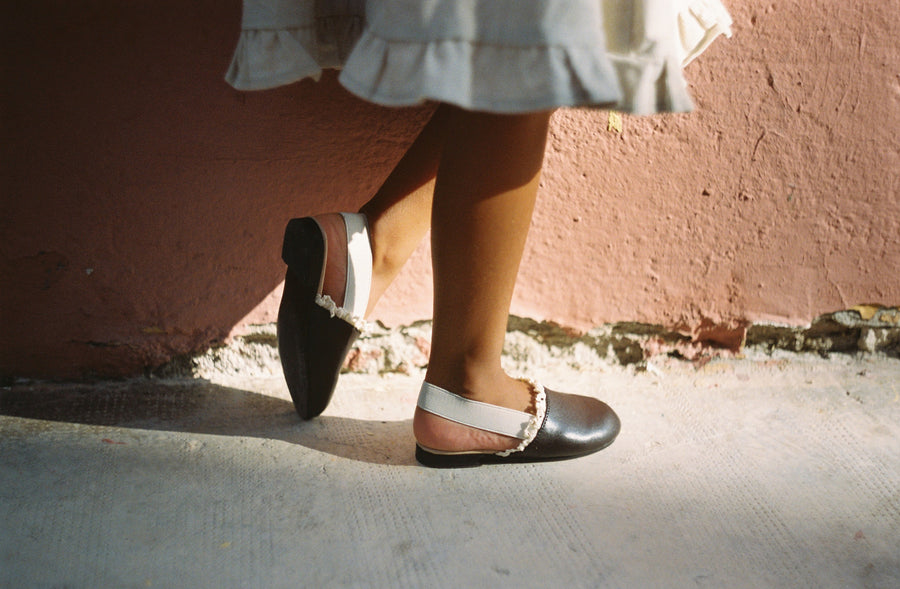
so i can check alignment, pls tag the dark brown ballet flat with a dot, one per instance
(314, 334)
(564, 426)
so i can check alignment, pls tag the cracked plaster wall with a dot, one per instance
(143, 199)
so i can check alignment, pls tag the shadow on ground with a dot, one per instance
(201, 407)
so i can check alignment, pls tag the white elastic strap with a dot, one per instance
(359, 264)
(500, 420)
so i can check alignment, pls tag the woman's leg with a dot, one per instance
(398, 215)
(313, 342)
(484, 193)
(484, 197)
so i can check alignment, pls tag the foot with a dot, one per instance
(313, 340)
(441, 434)
(562, 427)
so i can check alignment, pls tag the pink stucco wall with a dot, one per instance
(143, 199)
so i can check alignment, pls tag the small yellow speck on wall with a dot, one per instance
(867, 311)
(614, 124)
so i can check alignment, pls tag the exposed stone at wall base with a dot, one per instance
(868, 328)
(837, 332)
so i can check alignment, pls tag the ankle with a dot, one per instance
(438, 433)
(461, 377)
(388, 258)
(384, 271)
(487, 383)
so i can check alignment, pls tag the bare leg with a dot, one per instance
(399, 215)
(483, 201)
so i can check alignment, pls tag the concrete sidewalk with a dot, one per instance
(758, 472)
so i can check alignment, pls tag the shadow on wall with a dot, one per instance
(143, 211)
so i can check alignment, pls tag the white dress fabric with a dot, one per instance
(489, 55)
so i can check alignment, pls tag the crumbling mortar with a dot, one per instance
(530, 342)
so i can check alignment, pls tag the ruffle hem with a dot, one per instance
(634, 64)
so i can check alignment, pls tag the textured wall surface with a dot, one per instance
(143, 199)
(776, 200)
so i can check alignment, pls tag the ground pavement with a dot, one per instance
(765, 471)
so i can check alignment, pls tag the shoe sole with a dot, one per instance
(473, 459)
(303, 244)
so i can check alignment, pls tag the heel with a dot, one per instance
(304, 252)
(432, 460)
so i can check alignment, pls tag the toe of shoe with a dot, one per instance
(574, 426)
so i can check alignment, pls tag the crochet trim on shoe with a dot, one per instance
(531, 430)
(327, 303)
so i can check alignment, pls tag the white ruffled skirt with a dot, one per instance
(489, 55)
